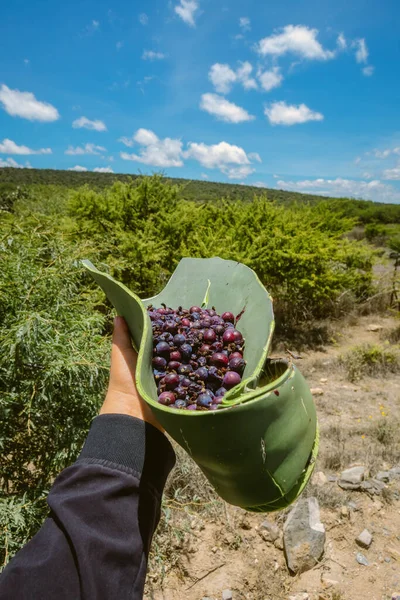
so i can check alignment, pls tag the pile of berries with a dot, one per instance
(198, 356)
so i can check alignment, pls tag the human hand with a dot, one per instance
(122, 395)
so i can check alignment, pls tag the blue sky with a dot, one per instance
(296, 95)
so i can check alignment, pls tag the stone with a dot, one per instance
(344, 512)
(303, 596)
(327, 582)
(395, 472)
(351, 479)
(319, 479)
(324, 380)
(352, 505)
(374, 327)
(318, 391)
(361, 559)
(396, 596)
(364, 539)
(303, 536)
(227, 595)
(372, 487)
(206, 598)
(384, 476)
(278, 543)
(269, 531)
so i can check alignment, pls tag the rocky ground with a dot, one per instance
(342, 539)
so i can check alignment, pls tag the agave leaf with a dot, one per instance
(259, 452)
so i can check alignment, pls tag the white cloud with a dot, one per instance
(143, 19)
(10, 162)
(222, 77)
(26, 61)
(229, 159)
(392, 174)
(238, 172)
(280, 113)
(187, 10)
(243, 74)
(103, 170)
(244, 23)
(151, 55)
(254, 156)
(9, 147)
(341, 42)
(92, 28)
(270, 79)
(259, 184)
(384, 153)
(86, 149)
(155, 152)
(357, 160)
(78, 168)
(119, 45)
(368, 190)
(25, 105)
(368, 71)
(294, 39)
(361, 50)
(224, 110)
(217, 155)
(204, 176)
(84, 123)
(367, 175)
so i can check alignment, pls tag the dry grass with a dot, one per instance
(372, 360)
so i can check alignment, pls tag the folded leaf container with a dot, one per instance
(259, 448)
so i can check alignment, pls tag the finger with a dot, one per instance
(122, 349)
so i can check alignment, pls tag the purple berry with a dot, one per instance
(162, 348)
(159, 363)
(219, 360)
(228, 316)
(179, 339)
(166, 398)
(231, 379)
(185, 370)
(192, 407)
(171, 380)
(180, 404)
(185, 323)
(205, 400)
(174, 365)
(209, 336)
(234, 355)
(202, 373)
(186, 351)
(237, 364)
(220, 392)
(195, 309)
(175, 355)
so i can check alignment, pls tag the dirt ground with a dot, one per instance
(222, 547)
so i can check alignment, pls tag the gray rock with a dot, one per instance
(319, 479)
(206, 598)
(303, 536)
(395, 596)
(374, 327)
(318, 391)
(352, 505)
(302, 596)
(384, 476)
(227, 595)
(269, 531)
(351, 479)
(372, 487)
(395, 472)
(278, 543)
(364, 539)
(361, 559)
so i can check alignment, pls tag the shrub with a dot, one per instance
(369, 359)
(53, 368)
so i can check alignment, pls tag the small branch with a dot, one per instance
(206, 575)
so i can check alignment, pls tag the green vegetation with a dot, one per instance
(55, 323)
(368, 359)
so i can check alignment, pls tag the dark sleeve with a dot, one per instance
(103, 513)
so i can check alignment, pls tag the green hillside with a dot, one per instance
(365, 210)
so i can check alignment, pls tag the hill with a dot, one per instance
(365, 210)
